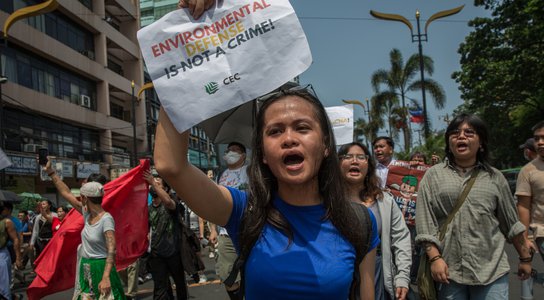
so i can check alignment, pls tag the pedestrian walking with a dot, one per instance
(393, 255)
(165, 257)
(530, 193)
(467, 256)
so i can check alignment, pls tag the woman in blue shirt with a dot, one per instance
(295, 224)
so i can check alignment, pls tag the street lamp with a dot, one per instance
(419, 37)
(357, 102)
(134, 153)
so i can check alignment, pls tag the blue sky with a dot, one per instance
(348, 45)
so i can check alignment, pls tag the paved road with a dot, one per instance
(213, 290)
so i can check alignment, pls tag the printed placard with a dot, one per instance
(236, 52)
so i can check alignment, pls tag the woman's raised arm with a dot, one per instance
(207, 199)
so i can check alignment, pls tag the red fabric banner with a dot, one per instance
(125, 198)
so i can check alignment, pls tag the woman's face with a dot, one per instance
(354, 165)
(464, 143)
(293, 144)
(61, 213)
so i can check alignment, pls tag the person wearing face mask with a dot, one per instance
(234, 176)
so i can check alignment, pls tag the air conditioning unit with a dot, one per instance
(31, 148)
(85, 101)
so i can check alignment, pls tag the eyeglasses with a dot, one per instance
(359, 157)
(468, 132)
(308, 88)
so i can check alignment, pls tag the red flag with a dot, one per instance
(125, 198)
(416, 119)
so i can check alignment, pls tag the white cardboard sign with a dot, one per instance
(236, 52)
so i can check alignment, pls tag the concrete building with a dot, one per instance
(69, 89)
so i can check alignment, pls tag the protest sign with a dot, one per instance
(403, 181)
(341, 118)
(238, 51)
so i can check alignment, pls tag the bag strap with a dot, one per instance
(460, 200)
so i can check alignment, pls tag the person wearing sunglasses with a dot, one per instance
(295, 229)
(468, 260)
(393, 257)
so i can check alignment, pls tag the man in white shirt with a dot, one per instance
(383, 147)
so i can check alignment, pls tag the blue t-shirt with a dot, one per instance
(318, 264)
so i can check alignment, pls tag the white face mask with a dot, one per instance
(232, 157)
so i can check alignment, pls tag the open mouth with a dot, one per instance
(354, 171)
(293, 159)
(462, 146)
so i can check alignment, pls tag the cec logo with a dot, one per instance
(211, 87)
(231, 79)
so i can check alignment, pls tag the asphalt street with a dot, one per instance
(213, 290)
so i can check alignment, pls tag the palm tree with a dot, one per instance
(398, 82)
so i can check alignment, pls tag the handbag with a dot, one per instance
(425, 282)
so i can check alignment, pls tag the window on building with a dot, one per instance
(45, 77)
(62, 139)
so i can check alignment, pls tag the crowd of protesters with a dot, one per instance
(489, 214)
(320, 223)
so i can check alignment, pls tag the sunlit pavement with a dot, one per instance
(214, 290)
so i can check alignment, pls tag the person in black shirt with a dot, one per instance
(165, 257)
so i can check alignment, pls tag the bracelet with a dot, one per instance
(435, 258)
(526, 259)
(51, 174)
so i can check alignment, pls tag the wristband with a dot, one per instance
(526, 259)
(435, 258)
(51, 174)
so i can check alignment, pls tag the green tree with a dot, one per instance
(397, 82)
(434, 144)
(502, 73)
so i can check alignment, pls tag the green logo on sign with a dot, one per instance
(211, 87)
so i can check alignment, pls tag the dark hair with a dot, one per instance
(8, 206)
(263, 184)
(96, 177)
(482, 156)
(64, 208)
(387, 139)
(417, 153)
(48, 202)
(24, 212)
(372, 181)
(237, 144)
(538, 125)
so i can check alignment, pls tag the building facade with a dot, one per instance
(71, 78)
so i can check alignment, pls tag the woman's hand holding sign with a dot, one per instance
(196, 7)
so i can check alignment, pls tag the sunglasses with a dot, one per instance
(277, 93)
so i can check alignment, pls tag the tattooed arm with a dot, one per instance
(524, 266)
(105, 286)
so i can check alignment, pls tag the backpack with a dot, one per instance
(3, 233)
(362, 214)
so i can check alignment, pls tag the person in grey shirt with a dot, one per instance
(470, 262)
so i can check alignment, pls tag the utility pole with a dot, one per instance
(419, 37)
